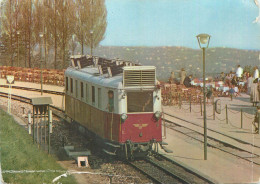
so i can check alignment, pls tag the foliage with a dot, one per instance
(19, 153)
(59, 21)
(91, 22)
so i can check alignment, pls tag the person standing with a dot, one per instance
(256, 73)
(249, 84)
(172, 78)
(254, 92)
(209, 93)
(187, 81)
(234, 81)
(239, 72)
(222, 76)
(228, 79)
(182, 75)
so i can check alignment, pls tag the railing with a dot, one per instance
(49, 76)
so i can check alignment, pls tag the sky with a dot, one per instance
(177, 22)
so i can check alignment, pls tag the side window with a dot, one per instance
(86, 92)
(76, 86)
(93, 94)
(99, 98)
(67, 84)
(110, 104)
(71, 85)
(81, 89)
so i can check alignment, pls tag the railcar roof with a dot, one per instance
(91, 75)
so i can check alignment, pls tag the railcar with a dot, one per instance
(118, 103)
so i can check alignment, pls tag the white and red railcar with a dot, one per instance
(116, 102)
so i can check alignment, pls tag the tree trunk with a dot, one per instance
(25, 49)
(29, 26)
(11, 35)
(82, 46)
(55, 37)
(45, 50)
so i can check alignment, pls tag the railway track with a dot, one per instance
(17, 98)
(34, 89)
(27, 100)
(229, 148)
(160, 169)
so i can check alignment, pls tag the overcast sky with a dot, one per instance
(177, 22)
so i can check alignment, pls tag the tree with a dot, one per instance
(98, 16)
(62, 22)
(91, 22)
(26, 30)
(65, 27)
(7, 28)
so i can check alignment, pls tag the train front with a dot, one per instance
(140, 102)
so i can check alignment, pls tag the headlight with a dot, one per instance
(123, 117)
(157, 115)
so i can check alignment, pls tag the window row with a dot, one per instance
(87, 92)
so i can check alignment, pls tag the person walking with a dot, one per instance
(255, 122)
(232, 92)
(182, 75)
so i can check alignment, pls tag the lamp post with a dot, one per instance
(41, 36)
(203, 40)
(91, 44)
(18, 54)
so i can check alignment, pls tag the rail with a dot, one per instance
(160, 169)
(34, 89)
(214, 142)
(27, 100)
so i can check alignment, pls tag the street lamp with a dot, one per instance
(41, 36)
(91, 44)
(203, 40)
(18, 54)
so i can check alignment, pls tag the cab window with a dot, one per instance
(140, 101)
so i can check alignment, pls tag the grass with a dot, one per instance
(19, 153)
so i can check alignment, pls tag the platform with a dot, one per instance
(58, 100)
(220, 166)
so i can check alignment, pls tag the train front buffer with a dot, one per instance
(141, 133)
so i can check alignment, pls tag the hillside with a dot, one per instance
(168, 59)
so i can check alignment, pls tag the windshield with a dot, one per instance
(140, 101)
